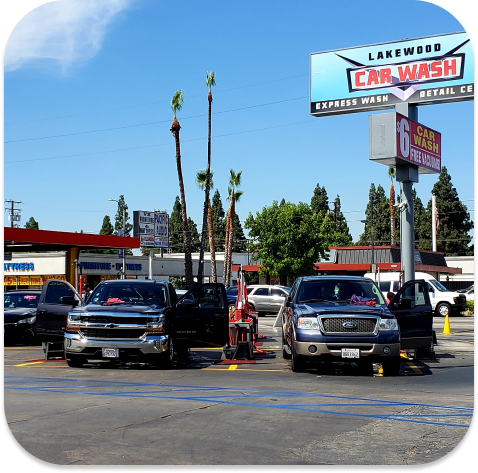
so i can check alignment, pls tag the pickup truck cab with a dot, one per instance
(443, 301)
(144, 321)
(346, 318)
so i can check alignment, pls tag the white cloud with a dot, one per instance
(61, 33)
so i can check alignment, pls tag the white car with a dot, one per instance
(469, 293)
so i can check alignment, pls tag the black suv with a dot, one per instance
(345, 318)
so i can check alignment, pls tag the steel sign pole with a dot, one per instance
(150, 273)
(124, 250)
(407, 174)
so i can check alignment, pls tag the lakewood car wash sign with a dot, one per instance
(395, 140)
(433, 69)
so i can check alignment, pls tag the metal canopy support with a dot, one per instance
(407, 174)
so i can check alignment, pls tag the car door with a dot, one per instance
(411, 306)
(201, 317)
(52, 312)
(260, 298)
(276, 300)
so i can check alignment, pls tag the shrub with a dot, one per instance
(470, 306)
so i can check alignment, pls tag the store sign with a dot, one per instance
(395, 140)
(152, 228)
(18, 266)
(419, 71)
(95, 265)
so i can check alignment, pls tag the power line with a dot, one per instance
(151, 123)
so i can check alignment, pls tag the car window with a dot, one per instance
(129, 293)
(56, 290)
(278, 292)
(396, 286)
(385, 286)
(262, 291)
(20, 300)
(207, 296)
(232, 291)
(414, 292)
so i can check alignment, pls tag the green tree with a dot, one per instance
(320, 202)
(176, 240)
(210, 82)
(453, 236)
(176, 105)
(32, 224)
(391, 175)
(107, 227)
(202, 178)
(234, 196)
(341, 233)
(218, 221)
(239, 244)
(289, 238)
(381, 218)
(119, 217)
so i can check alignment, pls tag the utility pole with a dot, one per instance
(14, 217)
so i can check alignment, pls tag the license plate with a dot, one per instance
(350, 353)
(110, 352)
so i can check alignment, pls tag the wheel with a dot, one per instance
(365, 368)
(252, 306)
(443, 309)
(391, 366)
(285, 354)
(297, 362)
(165, 359)
(75, 361)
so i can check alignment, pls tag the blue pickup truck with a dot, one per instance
(346, 318)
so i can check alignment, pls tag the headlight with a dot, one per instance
(388, 324)
(30, 320)
(308, 323)
(73, 322)
(155, 324)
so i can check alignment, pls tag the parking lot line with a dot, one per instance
(414, 368)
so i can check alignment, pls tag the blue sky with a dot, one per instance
(77, 68)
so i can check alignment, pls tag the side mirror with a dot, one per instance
(188, 304)
(288, 301)
(69, 300)
(430, 289)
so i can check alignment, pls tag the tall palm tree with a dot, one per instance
(391, 174)
(176, 105)
(234, 196)
(210, 81)
(201, 179)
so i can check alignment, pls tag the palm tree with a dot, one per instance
(391, 174)
(176, 105)
(209, 82)
(234, 196)
(201, 179)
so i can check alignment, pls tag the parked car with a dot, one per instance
(469, 292)
(231, 293)
(143, 321)
(443, 301)
(19, 318)
(267, 299)
(346, 318)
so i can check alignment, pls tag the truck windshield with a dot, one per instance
(129, 293)
(439, 286)
(338, 290)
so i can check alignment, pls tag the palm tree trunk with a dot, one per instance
(230, 238)
(188, 264)
(212, 243)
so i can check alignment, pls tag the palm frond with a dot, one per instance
(201, 177)
(391, 172)
(177, 102)
(210, 81)
(238, 195)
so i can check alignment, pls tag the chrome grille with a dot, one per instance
(109, 319)
(336, 324)
(112, 334)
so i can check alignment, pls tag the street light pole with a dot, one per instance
(123, 269)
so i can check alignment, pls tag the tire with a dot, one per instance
(252, 306)
(365, 368)
(286, 355)
(391, 366)
(297, 362)
(75, 361)
(165, 359)
(443, 309)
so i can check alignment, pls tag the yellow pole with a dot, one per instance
(446, 327)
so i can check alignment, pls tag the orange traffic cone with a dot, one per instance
(446, 327)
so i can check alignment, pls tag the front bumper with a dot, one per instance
(17, 332)
(92, 348)
(334, 349)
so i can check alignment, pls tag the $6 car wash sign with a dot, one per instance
(433, 69)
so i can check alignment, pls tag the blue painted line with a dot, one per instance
(168, 392)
